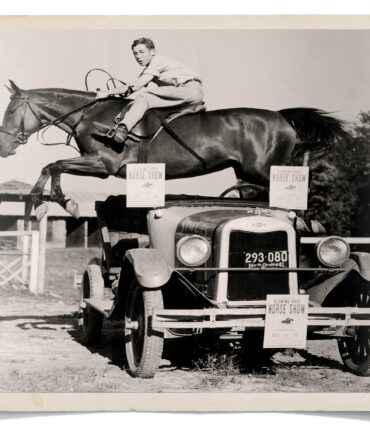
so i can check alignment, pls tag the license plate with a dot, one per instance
(274, 258)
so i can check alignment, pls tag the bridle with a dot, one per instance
(20, 134)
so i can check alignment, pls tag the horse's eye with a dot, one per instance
(13, 108)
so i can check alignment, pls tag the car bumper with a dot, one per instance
(253, 316)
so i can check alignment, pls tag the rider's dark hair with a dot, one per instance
(144, 41)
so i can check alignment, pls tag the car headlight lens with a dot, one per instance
(193, 250)
(332, 251)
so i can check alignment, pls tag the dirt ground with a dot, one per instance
(40, 351)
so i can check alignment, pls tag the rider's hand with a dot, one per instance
(101, 94)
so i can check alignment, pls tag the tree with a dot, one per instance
(340, 189)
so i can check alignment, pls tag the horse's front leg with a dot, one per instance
(56, 193)
(37, 191)
(91, 165)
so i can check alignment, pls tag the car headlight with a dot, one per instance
(193, 250)
(332, 251)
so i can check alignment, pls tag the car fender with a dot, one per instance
(363, 261)
(321, 290)
(150, 268)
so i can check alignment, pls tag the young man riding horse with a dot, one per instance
(174, 85)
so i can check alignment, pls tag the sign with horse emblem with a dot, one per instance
(145, 185)
(289, 187)
(286, 321)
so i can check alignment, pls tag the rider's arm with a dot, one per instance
(141, 82)
(100, 94)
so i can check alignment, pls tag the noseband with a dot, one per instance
(21, 136)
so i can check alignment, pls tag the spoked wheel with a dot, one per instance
(355, 351)
(90, 321)
(144, 346)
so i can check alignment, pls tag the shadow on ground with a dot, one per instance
(194, 353)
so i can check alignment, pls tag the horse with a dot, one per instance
(246, 139)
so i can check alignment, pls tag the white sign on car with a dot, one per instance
(286, 321)
(145, 187)
(289, 187)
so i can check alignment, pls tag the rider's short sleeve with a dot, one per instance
(156, 67)
(168, 71)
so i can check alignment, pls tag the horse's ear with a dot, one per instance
(14, 88)
(8, 88)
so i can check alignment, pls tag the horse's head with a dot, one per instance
(18, 123)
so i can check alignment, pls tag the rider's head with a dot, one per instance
(143, 50)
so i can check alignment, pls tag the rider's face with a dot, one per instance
(142, 54)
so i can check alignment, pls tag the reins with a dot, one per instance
(61, 119)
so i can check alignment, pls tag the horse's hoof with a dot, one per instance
(41, 210)
(72, 208)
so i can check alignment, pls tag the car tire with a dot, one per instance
(355, 351)
(143, 345)
(90, 321)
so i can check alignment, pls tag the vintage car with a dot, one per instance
(207, 265)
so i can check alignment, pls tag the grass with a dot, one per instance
(62, 264)
(218, 368)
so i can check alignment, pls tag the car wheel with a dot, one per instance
(90, 320)
(143, 345)
(355, 351)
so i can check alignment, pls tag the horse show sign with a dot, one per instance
(286, 321)
(145, 185)
(289, 187)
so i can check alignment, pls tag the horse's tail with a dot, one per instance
(317, 131)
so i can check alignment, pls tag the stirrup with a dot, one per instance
(111, 132)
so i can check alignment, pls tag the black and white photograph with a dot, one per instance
(184, 213)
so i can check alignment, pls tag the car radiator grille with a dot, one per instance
(251, 285)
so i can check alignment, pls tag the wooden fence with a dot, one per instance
(22, 265)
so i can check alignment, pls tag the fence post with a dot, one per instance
(86, 233)
(42, 254)
(34, 261)
(25, 248)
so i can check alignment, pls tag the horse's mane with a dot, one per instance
(61, 91)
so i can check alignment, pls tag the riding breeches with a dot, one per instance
(161, 97)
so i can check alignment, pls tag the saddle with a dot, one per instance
(154, 119)
(151, 125)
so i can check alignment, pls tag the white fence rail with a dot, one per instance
(350, 240)
(21, 265)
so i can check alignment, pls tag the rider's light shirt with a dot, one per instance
(168, 71)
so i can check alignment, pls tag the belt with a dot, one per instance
(191, 80)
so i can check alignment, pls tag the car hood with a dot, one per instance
(205, 222)
(169, 224)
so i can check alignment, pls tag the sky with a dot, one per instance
(269, 69)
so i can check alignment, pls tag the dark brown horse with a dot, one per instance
(249, 140)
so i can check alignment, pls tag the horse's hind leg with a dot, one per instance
(250, 187)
